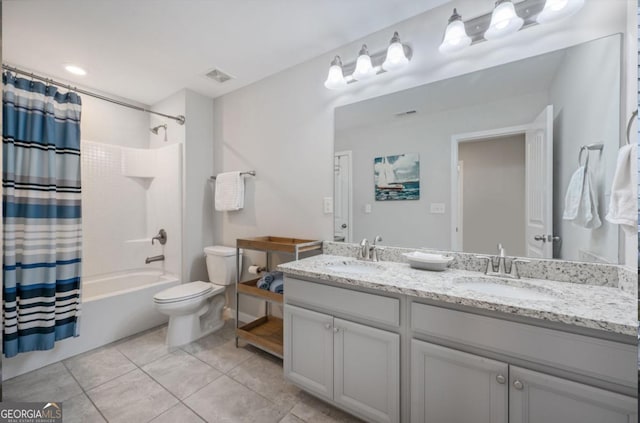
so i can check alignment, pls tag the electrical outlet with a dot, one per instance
(367, 208)
(437, 208)
(328, 205)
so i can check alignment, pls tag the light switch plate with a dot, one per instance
(437, 208)
(328, 205)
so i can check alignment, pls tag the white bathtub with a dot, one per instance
(113, 307)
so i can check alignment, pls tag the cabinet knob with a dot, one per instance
(327, 326)
(336, 330)
(501, 379)
(518, 385)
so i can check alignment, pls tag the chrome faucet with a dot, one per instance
(369, 251)
(161, 237)
(500, 265)
(154, 258)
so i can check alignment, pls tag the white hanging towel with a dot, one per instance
(229, 191)
(581, 203)
(623, 206)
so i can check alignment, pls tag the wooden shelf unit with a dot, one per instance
(266, 332)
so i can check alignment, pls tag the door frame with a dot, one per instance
(349, 155)
(456, 140)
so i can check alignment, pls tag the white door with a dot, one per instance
(460, 226)
(539, 185)
(367, 371)
(539, 398)
(308, 350)
(449, 386)
(342, 196)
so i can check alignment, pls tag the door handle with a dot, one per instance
(542, 238)
(547, 238)
(343, 226)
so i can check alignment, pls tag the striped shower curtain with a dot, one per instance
(41, 215)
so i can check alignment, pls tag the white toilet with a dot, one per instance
(195, 309)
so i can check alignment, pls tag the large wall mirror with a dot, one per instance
(485, 158)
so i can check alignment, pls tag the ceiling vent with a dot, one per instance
(219, 76)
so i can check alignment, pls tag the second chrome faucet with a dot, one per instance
(500, 265)
(369, 251)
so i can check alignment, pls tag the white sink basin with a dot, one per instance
(354, 268)
(503, 289)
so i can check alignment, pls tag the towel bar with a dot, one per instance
(588, 148)
(248, 172)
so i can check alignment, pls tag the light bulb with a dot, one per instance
(558, 9)
(76, 70)
(364, 69)
(455, 36)
(335, 79)
(396, 58)
(504, 20)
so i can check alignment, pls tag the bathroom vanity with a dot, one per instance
(389, 343)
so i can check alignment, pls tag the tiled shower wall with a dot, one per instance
(114, 212)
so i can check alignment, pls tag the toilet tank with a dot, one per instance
(221, 264)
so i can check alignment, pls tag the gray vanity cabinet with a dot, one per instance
(540, 398)
(308, 350)
(449, 386)
(352, 365)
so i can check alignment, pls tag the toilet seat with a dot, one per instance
(187, 291)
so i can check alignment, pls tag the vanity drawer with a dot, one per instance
(598, 358)
(375, 308)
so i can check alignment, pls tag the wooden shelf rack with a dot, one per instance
(266, 332)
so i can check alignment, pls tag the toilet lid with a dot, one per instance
(184, 291)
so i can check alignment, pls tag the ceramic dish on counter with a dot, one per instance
(426, 261)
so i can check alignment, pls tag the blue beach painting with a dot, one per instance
(397, 177)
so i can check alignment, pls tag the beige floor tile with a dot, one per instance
(145, 348)
(226, 401)
(312, 410)
(218, 352)
(263, 374)
(131, 398)
(177, 414)
(181, 373)
(79, 409)
(52, 383)
(96, 367)
(290, 418)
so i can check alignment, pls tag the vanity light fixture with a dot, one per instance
(366, 66)
(364, 69)
(335, 79)
(455, 36)
(396, 58)
(558, 9)
(504, 20)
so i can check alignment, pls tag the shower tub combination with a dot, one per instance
(114, 306)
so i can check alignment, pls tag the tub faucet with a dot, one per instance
(161, 237)
(154, 258)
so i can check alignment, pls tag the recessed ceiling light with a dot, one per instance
(76, 70)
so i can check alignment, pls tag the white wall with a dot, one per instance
(494, 195)
(196, 138)
(410, 223)
(282, 126)
(586, 101)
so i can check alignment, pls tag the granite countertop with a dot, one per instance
(596, 307)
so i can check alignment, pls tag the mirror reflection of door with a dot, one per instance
(505, 189)
(342, 196)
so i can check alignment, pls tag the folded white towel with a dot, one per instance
(581, 203)
(229, 191)
(623, 206)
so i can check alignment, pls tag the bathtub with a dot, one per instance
(114, 306)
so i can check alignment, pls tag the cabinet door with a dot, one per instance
(308, 350)
(367, 371)
(449, 386)
(540, 398)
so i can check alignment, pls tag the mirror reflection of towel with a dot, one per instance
(623, 206)
(581, 203)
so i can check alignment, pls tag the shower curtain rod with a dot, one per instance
(180, 119)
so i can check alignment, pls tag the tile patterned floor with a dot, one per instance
(138, 380)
